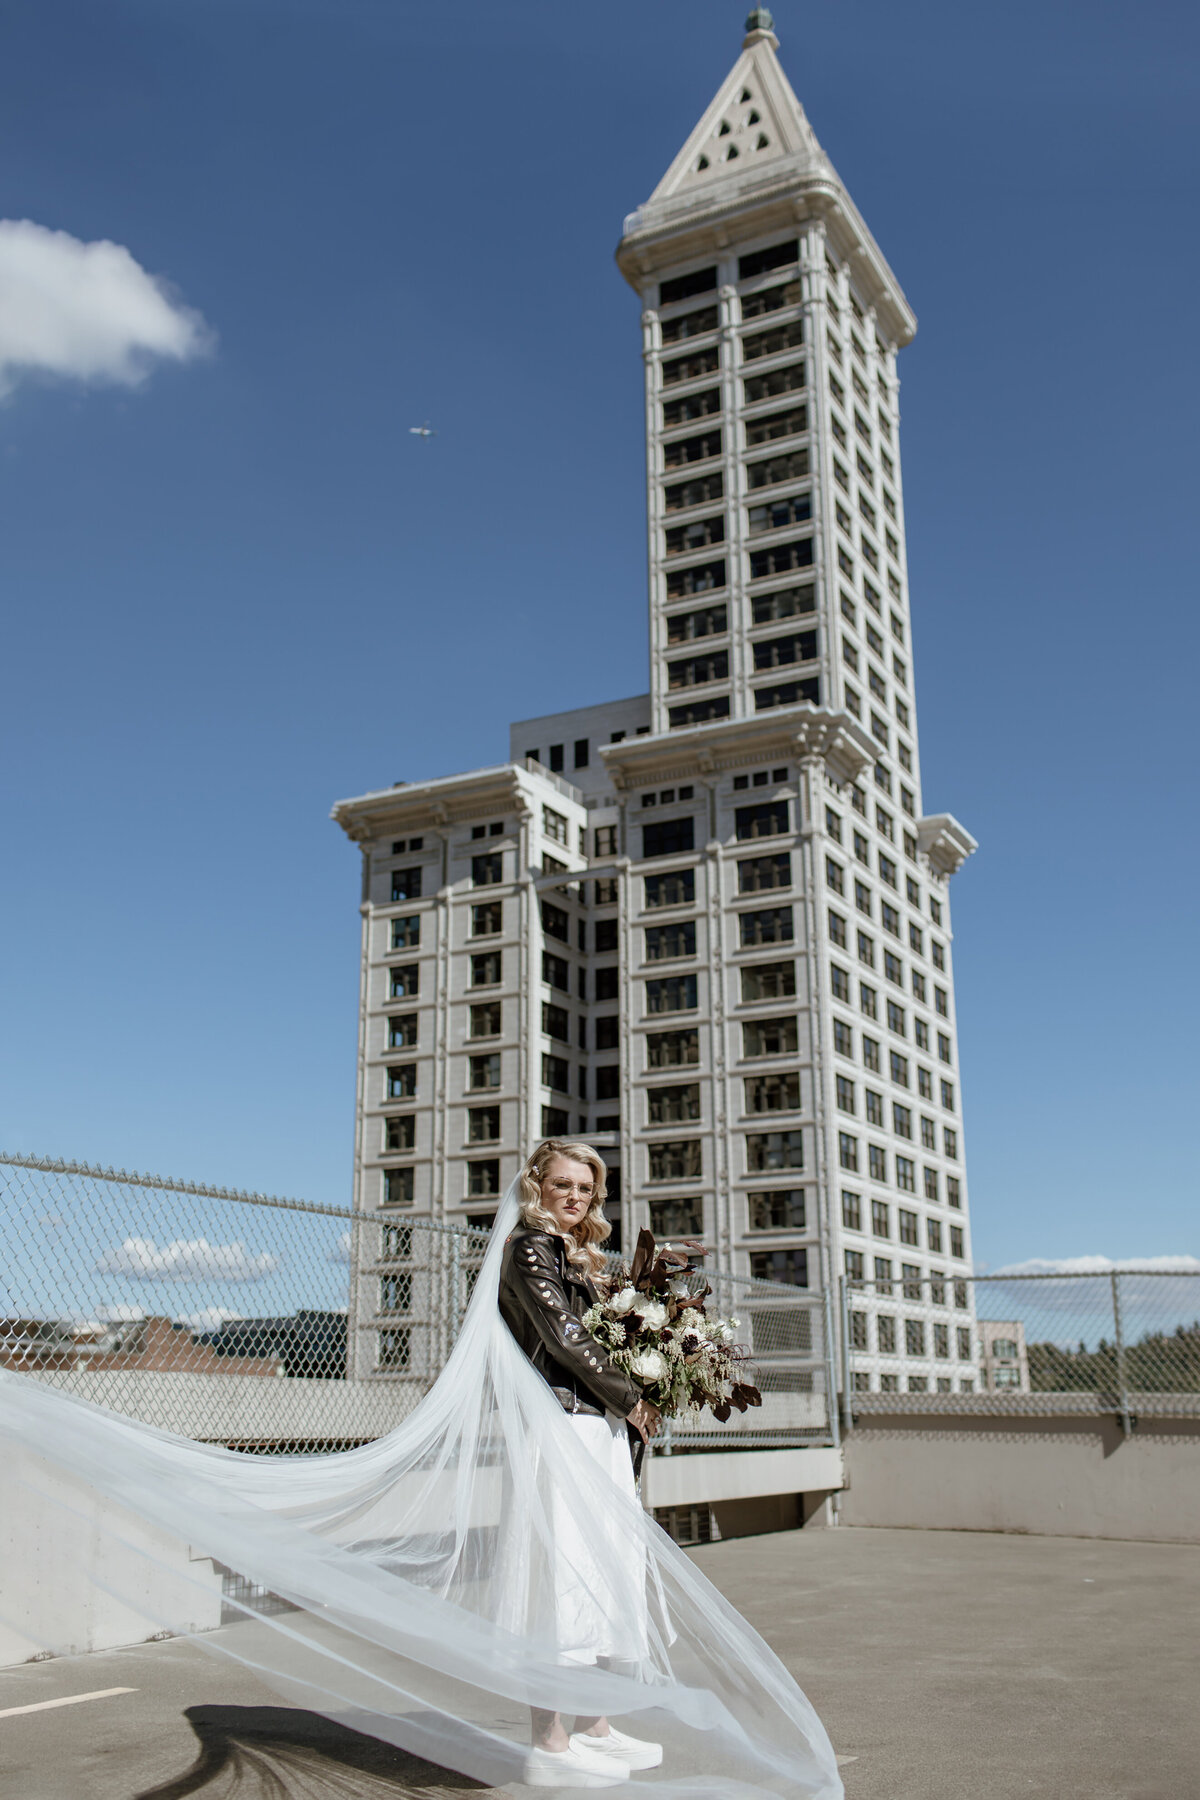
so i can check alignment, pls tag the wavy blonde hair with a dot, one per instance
(583, 1240)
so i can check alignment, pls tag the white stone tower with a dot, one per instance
(748, 1002)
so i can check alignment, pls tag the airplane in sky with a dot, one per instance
(422, 431)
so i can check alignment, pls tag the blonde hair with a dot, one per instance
(583, 1239)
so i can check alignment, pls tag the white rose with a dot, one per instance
(649, 1365)
(623, 1302)
(654, 1315)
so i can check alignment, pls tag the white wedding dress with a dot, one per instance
(489, 1555)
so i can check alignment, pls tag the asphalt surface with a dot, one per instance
(946, 1665)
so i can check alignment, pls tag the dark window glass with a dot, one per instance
(762, 872)
(406, 884)
(682, 287)
(768, 981)
(555, 922)
(780, 558)
(777, 1209)
(771, 819)
(668, 837)
(673, 1105)
(698, 712)
(671, 1049)
(404, 980)
(787, 1266)
(675, 889)
(406, 933)
(666, 941)
(759, 262)
(674, 993)
(790, 693)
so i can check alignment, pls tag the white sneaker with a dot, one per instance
(617, 1746)
(574, 1768)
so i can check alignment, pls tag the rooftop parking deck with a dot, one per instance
(947, 1666)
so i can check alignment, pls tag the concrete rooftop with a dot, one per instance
(946, 1665)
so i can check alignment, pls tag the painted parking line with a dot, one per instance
(843, 1760)
(7, 1712)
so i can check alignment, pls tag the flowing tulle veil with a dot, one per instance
(421, 1571)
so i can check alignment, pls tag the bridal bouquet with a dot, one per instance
(654, 1326)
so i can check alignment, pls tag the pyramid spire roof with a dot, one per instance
(754, 152)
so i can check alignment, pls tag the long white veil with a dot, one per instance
(421, 1572)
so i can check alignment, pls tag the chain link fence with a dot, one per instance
(285, 1326)
(1119, 1340)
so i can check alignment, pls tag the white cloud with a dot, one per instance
(186, 1259)
(119, 1315)
(340, 1252)
(209, 1318)
(85, 312)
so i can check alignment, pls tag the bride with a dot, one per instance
(486, 1560)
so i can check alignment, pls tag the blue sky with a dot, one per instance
(241, 590)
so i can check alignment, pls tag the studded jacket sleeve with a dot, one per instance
(536, 1286)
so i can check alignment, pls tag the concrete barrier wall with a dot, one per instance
(66, 1552)
(1058, 1476)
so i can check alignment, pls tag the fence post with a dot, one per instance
(832, 1407)
(455, 1284)
(847, 1403)
(1122, 1374)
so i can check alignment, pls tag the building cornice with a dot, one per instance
(791, 733)
(446, 801)
(945, 842)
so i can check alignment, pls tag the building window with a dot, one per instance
(776, 515)
(914, 1337)
(874, 1106)
(556, 971)
(902, 1120)
(556, 1021)
(768, 981)
(556, 1073)
(851, 1210)
(937, 1285)
(941, 1002)
(406, 933)
(554, 826)
(760, 873)
(885, 1333)
(834, 875)
(771, 819)
(906, 1174)
(677, 1218)
(877, 1163)
(895, 1018)
(858, 1341)
(956, 1241)
(933, 1234)
(787, 1267)
(698, 578)
(950, 1141)
(605, 936)
(690, 325)
(402, 1081)
(678, 1160)
(931, 1175)
(684, 494)
(845, 1094)
(400, 1133)
(485, 1019)
(770, 927)
(948, 1095)
(953, 1191)
(880, 1219)
(668, 837)
(666, 1049)
(485, 1071)
(837, 929)
(695, 671)
(774, 1150)
(395, 1348)
(675, 889)
(398, 1187)
(556, 1121)
(488, 869)
(691, 368)
(487, 920)
(839, 980)
(843, 1038)
(483, 1177)
(666, 942)
(772, 471)
(483, 1124)
(854, 1265)
(777, 1209)
(964, 1343)
(402, 1031)
(604, 840)
(847, 1150)
(770, 1037)
(866, 949)
(676, 1105)
(406, 884)
(403, 981)
(772, 1093)
(790, 379)
(556, 922)
(674, 993)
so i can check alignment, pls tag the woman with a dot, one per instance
(485, 1559)
(548, 1279)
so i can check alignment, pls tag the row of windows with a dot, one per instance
(897, 1017)
(917, 1337)
(907, 1222)
(877, 1159)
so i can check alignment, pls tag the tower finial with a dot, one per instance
(760, 24)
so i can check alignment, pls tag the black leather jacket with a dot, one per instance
(542, 1299)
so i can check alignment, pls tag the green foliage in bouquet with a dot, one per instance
(654, 1326)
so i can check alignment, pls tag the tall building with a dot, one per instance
(709, 927)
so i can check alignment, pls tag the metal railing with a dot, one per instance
(286, 1326)
(1117, 1340)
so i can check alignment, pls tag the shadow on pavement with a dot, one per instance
(284, 1753)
